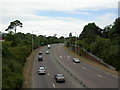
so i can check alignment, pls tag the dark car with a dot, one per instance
(40, 58)
(59, 78)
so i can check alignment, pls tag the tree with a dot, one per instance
(13, 25)
(90, 32)
(70, 35)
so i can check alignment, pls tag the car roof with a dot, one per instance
(41, 67)
(60, 75)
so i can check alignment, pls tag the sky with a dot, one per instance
(49, 17)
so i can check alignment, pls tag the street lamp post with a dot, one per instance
(32, 41)
(75, 41)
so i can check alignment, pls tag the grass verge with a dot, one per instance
(27, 70)
(92, 63)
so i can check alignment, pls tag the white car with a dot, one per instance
(41, 70)
(47, 52)
(76, 60)
(49, 46)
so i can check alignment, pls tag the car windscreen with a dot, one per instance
(41, 68)
(60, 75)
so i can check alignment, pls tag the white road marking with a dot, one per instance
(48, 74)
(61, 57)
(68, 56)
(84, 68)
(99, 76)
(53, 85)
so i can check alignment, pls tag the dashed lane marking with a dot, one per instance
(99, 76)
(84, 68)
(48, 74)
(61, 57)
(53, 85)
(68, 56)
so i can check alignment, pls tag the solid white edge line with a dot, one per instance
(115, 76)
(108, 73)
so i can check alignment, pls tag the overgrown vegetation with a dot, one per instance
(104, 43)
(15, 49)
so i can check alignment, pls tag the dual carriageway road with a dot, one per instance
(54, 63)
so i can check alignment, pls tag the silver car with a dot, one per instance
(41, 70)
(59, 78)
(76, 60)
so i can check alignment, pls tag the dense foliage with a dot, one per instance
(104, 43)
(15, 49)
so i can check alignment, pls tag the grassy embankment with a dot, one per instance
(27, 69)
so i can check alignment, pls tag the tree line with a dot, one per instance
(104, 43)
(15, 49)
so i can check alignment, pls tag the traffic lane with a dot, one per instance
(48, 65)
(81, 75)
(54, 68)
(91, 70)
(99, 73)
(107, 75)
(42, 82)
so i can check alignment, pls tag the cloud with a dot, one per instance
(106, 19)
(26, 11)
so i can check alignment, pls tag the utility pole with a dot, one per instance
(75, 41)
(32, 40)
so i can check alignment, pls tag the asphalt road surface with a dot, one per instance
(89, 75)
